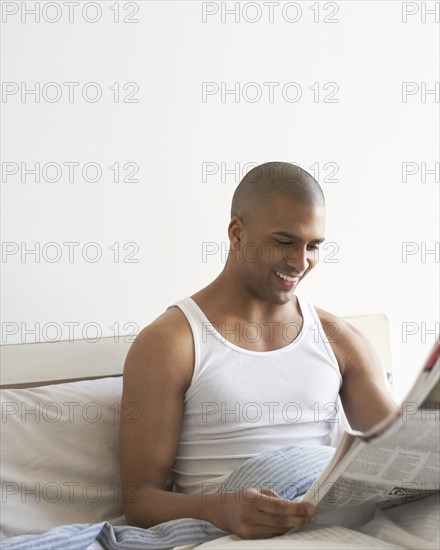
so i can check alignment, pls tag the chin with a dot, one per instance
(281, 300)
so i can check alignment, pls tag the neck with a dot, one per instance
(229, 296)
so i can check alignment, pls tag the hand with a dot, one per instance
(253, 513)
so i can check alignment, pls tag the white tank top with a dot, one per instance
(241, 403)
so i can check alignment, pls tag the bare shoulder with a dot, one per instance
(157, 373)
(339, 327)
(352, 348)
(364, 392)
(166, 344)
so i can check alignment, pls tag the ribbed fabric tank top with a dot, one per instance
(241, 403)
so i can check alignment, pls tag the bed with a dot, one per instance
(59, 455)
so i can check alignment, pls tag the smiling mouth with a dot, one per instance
(287, 278)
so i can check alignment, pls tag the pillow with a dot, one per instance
(59, 456)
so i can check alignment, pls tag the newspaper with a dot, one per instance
(396, 461)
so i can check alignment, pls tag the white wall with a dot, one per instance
(171, 132)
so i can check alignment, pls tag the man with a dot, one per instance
(243, 366)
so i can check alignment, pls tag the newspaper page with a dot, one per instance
(400, 465)
(396, 461)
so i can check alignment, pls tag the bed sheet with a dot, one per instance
(415, 525)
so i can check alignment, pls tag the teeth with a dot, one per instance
(286, 277)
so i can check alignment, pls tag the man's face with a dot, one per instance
(280, 247)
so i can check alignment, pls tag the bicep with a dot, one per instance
(364, 393)
(151, 415)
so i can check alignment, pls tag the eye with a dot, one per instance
(284, 242)
(314, 247)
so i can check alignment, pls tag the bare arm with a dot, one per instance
(155, 380)
(157, 373)
(363, 393)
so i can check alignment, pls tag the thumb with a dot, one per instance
(269, 492)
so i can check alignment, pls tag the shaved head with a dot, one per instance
(265, 181)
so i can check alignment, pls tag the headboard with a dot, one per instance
(38, 364)
(377, 329)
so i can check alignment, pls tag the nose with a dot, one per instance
(297, 257)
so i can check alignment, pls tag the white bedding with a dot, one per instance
(415, 525)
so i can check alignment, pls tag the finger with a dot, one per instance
(264, 532)
(279, 506)
(269, 492)
(310, 509)
(279, 523)
(286, 521)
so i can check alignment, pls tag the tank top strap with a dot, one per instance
(195, 319)
(313, 332)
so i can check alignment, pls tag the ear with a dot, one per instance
(235, 231)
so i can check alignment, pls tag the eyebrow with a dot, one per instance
(293, 237)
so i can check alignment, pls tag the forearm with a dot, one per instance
(149, 506)
(250, 513)
(366, 408)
